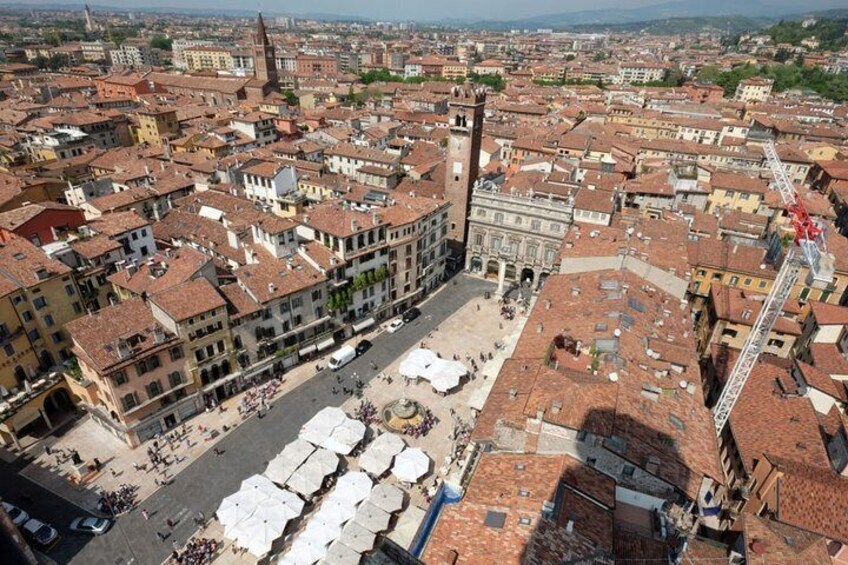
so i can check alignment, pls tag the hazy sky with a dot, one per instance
(431, 9)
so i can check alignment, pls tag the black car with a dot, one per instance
(362, 347)
(411, 314)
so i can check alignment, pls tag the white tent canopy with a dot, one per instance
(238, 506)
(345, 436)
(358, 538)
(324, 460)
(341, 554)
(352, 488)
(386, 497)
(307, 480)
(321, 532)
(322, 424)
(334, 511)
(443, 374)
(377, 458)
(410, 465)
(304, 552)
(257, 535)
(372, 518)
(288, 460)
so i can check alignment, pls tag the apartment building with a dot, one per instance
(257, 126)
(133, 378)
(135, 53)
(154, 124)
(357, 237)
(347, 159)
(202, 324)
(207, 57)
(754, 89)
(272, 184)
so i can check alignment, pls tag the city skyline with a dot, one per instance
(471, 10)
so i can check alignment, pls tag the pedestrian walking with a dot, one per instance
(162, 537)
(217, 451)
(176, 546)
(156, 482)
(187, 443)
(111, 470)
(144, 514)
(169, 523)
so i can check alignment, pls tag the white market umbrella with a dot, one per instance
(345, 436)
(353, 487)
(275, 512)
(358, 538)
(261, 483)
(444, 382)
(256, 535)
(279, 469)
(341, 554)
(304, 552)
(411, 465)
(297, 451)
(288, 460)
(321, 532)
(416, 363)
(324, 460)
(306, 481)
(293, 503)
(322, 424)
(377, 458)
(372, 518)
(334, 511)
(386, 497)
(238, 506)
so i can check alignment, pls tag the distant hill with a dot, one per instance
(830, 31)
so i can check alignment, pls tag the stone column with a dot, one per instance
(501, 276)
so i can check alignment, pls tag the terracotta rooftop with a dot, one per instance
(25, 265)
(176, 304)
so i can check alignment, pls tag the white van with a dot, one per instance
(342, 357)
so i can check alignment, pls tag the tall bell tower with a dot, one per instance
(264, 58)
(465, 118)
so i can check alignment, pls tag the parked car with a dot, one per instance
(411, 314)
(342, 357)
(17, 515)
(40, 533)
(91, 525)
(395, 325)
(362, 347)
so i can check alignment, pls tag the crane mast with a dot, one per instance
(813, 253)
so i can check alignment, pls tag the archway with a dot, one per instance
(58, 401)
(527, 276)
(204, 377)
(216, 373)
(476, 265)
(492, 269)
(542, 278)
(225, 367)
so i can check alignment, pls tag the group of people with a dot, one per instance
(422, 428)
(197, 552)
(366, 413)
(357, 388)
(257, 399)
(116, 502)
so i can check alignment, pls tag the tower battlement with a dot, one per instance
(463, 94)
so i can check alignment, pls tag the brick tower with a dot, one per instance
(264, 58)
(465, 117)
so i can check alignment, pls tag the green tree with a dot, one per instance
(782, 55)
(708, 73)
(495, 82)
(291, 98)
(599, 56)
(161, 42)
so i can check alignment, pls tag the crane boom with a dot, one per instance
(808, 238)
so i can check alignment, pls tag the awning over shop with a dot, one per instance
(361, 325)
(307, 350)
(326, 344)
